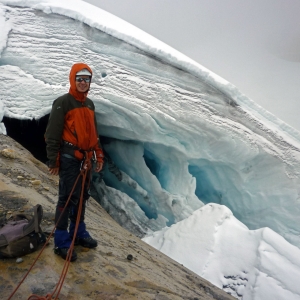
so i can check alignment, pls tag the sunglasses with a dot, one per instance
(80, 79)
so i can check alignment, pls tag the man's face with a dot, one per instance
(81, 85)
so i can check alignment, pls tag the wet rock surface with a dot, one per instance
(121, 267)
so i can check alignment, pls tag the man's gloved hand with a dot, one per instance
(54, 171)
(99, 166)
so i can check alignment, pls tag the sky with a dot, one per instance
(253, 44)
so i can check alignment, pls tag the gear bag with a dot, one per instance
(21, 234)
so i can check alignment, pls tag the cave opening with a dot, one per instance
(30, 134)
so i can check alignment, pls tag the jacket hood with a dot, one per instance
(73, 91)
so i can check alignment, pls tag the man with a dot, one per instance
(70, 135)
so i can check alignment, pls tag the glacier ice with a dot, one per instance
(183, 140)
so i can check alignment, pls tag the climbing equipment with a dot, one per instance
(86, 167)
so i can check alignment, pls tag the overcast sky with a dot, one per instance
(254, 44)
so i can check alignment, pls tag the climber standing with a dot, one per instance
(71, 135)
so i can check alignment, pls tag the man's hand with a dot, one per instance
(99, 166)
(54, 171)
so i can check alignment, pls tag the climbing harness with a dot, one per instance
(85, 167)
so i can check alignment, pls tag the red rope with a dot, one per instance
(83, 172)
(36, 297)
(68, 259)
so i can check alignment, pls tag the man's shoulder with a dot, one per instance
(64, 100)
(64, 97)
(89, 103)
(89, 99)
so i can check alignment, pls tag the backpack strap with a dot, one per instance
(34, 223)
(3, 240)
(2, 221)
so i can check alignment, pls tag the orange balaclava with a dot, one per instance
(73, 91)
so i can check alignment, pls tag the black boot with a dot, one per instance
(63, 252)
(87, 242)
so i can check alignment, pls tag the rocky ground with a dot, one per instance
(101, 273)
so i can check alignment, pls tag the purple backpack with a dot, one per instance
(21, 234)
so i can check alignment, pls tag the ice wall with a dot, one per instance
(5, 27)
(181, 140)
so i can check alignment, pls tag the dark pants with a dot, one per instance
(68, 173)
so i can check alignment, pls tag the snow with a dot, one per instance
(249, 264)
(183, 137)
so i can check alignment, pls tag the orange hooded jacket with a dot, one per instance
(72, 120)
